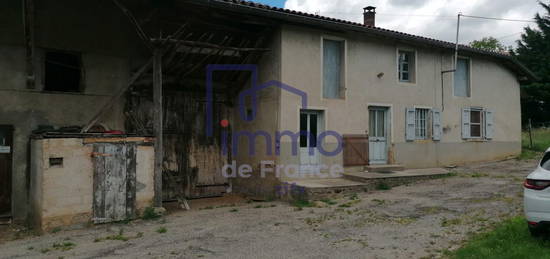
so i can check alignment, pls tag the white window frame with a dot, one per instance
(469, 78)
(343, 89)
(481, 122)
(412, 67)
(422, 124)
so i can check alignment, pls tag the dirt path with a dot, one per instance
(415, 221)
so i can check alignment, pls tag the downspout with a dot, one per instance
(454, 63)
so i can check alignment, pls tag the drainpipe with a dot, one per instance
(454, 63)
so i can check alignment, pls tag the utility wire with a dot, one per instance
(499, 19)
(439, 16)
(509, 35)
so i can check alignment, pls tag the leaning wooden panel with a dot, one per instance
(356, 150)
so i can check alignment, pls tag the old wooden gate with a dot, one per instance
(114, 182)
(356, 150)
(6, 144)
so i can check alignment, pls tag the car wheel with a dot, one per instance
(536, 231)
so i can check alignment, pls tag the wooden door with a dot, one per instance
(114, 182)
(6, 151)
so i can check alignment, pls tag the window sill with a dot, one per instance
(422, 141)
(334, 99)
(476, 140)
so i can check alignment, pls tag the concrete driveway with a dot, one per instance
(414, 221)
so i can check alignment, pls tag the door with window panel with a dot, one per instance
(378, 135)
(310, 127)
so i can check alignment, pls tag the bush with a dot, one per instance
(150, 214)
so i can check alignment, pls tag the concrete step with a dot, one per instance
(354, 182)
(399, 176)
(384, 168)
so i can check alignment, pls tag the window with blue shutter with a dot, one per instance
(477, 123)
(410, 124)
(489, 128)
(466, 123)
(436, 125)
(333, 69)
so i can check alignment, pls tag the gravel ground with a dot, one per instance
(420, 220)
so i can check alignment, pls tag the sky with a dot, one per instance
(431, 18)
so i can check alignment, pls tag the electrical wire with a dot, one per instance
(493, 18)
(440, 16)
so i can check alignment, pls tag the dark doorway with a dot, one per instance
(6, 151)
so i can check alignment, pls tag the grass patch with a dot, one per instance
(445, 222)
(541, 140)
(478, 174)
(234, 210)
(150, 214)
(510, 239)
(379, 202)
(65, 246)
(527, 154)
(120, 237)
(383, 186)
(432, 210)
(329, 201)
(302, 204)
(349, 204)
(162, 230)
(447, 175)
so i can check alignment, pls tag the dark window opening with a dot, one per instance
(313, 130)
(56, 162)
(63, 72)
(303, 130)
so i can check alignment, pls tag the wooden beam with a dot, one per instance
(208, 45)
(28, 21)
(158, 124)
(107, 107)
(137, 26)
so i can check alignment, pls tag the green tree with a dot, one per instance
(488, 43)
(533, 51)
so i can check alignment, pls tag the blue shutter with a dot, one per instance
(332, 68)
(466, 123)
(410, 124)
(436, 124)
(489, 128)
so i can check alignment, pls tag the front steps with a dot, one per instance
(384, 168)
(354, 182)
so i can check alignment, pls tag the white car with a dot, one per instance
(536, 197)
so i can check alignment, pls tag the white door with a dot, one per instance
(310, 122)
(378, 135)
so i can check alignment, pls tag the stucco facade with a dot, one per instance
(370, 79)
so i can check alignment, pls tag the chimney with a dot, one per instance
(369, 15)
